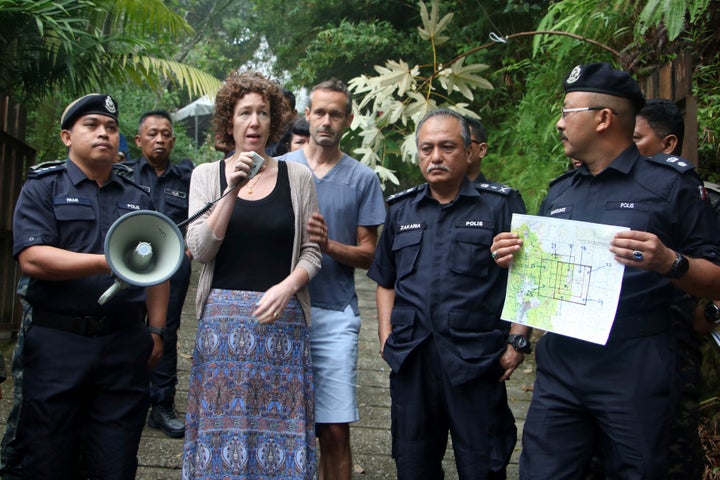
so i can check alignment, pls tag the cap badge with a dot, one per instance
(110, 105)
(574, 75)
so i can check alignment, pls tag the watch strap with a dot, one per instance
(157, 330)
(680, 266)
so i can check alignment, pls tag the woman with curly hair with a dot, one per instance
(250, 399)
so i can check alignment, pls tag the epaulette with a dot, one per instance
(569, 173)
(45, 168)
(123, 170)
(495, 187)
(676, 163)
(397, 196)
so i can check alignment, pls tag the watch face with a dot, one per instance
(712, 312)
(520, 341)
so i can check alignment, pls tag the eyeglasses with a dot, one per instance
(565, 111)
(475, 142)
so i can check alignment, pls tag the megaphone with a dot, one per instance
(142, 248)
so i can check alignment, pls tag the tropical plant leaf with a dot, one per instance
(431, 27)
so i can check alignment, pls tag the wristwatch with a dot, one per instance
(712, 313)
(519, 342)
(679, 267)
(157, 331)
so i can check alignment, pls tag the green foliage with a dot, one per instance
(672, 13)
(80, 46)
(707, 91)
(349, 44)
(332, 38)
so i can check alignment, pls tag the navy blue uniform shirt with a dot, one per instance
(661, 195)
(169, 191)
(60, 207)
(437, 259)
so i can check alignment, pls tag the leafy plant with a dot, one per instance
(391, 103)
(82, 45)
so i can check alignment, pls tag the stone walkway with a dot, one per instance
(160, 456)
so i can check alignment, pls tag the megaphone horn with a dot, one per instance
(142, 248)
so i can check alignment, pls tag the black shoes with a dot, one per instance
(164, 417)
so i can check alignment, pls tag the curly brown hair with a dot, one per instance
(236, 86)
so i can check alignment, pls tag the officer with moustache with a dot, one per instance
(439, 299)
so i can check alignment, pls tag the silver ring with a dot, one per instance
(494, 255)
(637, 255)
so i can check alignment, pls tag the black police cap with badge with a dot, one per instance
(99, 103)
(602, 78)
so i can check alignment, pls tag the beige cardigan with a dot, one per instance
(204, 245)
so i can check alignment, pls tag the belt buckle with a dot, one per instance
(93, 325)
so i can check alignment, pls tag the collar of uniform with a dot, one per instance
(623, 163)
(143, 164)
(76, 175)
(626, 160)
(467, 189)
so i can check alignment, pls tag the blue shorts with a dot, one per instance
(334, 350)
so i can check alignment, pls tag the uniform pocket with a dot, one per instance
(470, 252)
(68, 209)
(630, 214)
(403, 323)
(406, 249)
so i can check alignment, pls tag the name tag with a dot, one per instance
(560, 210)
(68, 200)
(410, 226)
(175, 193)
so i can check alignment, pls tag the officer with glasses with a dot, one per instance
(623, 388)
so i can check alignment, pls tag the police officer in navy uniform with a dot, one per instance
(439, 299)
(623, 388)
(86, 365)
(168, 184)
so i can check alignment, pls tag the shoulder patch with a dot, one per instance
(673, 161)
(123, 170)
(46, 168)
(565, 175)
(495, 187)
(397, 196)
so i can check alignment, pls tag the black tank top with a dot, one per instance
(257, 250)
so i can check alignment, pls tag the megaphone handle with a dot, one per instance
(114, 288)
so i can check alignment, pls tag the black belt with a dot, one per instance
(644, 325)
(87, 325)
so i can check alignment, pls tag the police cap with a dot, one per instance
(99, 103)
(602, 78)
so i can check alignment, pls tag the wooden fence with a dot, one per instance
(15, 158)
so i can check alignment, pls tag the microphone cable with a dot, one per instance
(207, 207)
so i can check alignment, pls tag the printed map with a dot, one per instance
(564, 279)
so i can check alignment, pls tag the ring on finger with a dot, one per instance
(637, 255)
(494, 255)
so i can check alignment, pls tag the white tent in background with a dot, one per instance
(196, 116)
